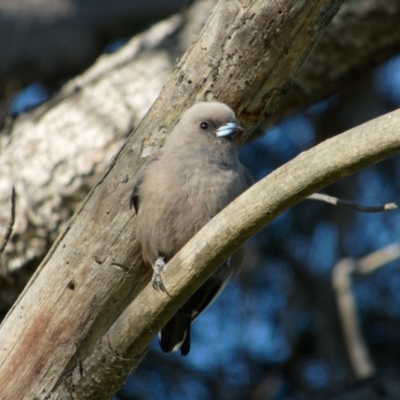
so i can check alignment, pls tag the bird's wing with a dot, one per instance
(134, 198)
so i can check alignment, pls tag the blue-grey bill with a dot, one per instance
(231, 129)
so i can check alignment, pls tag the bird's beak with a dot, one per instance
(231, 129)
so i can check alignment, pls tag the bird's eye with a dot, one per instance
(204, 125)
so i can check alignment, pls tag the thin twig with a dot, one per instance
(351, 204)
(7, 236)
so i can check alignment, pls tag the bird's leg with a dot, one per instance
(156, 280)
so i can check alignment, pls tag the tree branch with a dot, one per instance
(351, 204)
(378, 259)
(357, 350)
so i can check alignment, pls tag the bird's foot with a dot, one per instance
(156, 280)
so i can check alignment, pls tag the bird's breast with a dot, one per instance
(178, 200)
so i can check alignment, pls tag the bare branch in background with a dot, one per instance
(357, 350)
(351, 204)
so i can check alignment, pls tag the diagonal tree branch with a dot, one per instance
(310, 171)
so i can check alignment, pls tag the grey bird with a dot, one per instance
(191, 179)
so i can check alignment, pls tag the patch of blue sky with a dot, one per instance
(139, 383)
(298, 246)
(214, 334)
(265, 341)
(282, 224)
(189, 389)
(220, 331)
(278, 145)
(373, 186)
(236, 372)
(323, 248)
(291, 136)
(278, 271)
(321, 106)
(318, 108)
(29, 98)
(115, 45)
(367, 296)
(387, 79)
(375, 231)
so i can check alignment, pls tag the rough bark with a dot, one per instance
(95, 267)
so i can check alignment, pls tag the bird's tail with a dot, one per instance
(176, 334)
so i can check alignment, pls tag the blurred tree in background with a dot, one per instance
(275, 331)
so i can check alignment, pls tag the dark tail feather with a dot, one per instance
(175, 332)
(185, 348)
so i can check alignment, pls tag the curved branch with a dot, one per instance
(264, 201)
(259, 205)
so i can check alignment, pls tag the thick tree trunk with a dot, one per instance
(94, 268)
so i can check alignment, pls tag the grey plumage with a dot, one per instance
(194, 176)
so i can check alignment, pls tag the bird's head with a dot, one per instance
(213, 119)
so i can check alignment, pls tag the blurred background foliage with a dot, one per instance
(274, 333)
